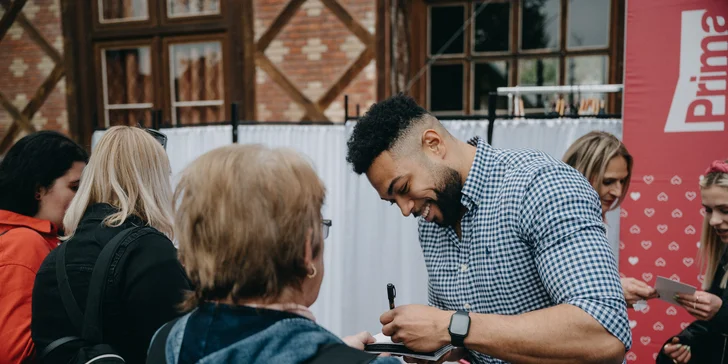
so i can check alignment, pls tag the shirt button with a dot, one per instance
(467, 306)
(463, 267)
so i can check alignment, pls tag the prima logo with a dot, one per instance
(701, 94)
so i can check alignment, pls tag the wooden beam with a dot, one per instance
(38, 38)
(248, 17)
(280, 21)
(383, 47)
(288, 87)
(344, 80)
(11, 12)
(17, 116)
(34, 105)
(68, 28)
(350, 23)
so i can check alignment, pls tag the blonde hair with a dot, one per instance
(129, 170)
(711, 247)
(591, 154)
(244, 213)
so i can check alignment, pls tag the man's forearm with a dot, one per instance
(560, 334)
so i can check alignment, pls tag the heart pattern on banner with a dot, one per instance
(661, 240)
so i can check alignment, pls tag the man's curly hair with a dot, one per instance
(380, 128)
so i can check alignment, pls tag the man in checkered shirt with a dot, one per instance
(519, 265)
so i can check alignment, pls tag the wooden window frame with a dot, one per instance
(122, 24)
(166, 69)
(165, 19)
(422, 25)
(99, 47)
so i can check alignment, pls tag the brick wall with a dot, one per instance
(313, 50)
(24, 66)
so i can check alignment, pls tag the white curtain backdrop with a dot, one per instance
(371, 243)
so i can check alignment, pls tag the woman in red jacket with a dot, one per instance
(38, 178)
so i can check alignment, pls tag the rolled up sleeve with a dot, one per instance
(562, 219)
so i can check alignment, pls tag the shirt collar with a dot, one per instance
(472, 193)
(17, 220)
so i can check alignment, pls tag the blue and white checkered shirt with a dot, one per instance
(532, 238)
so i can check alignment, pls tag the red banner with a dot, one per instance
(675, 124)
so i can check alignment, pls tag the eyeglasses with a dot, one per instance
(161, 138)
(325, 226)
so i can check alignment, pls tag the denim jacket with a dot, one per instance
(216, 333)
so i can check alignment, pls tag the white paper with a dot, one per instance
(667, 289)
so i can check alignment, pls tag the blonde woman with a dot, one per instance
(706, 340)
(126, 184)
(251, 238)
(607, 165)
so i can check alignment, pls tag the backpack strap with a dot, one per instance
(92, 324)
(158, 349)
(64, 288)
(55, 344)
(341, 353)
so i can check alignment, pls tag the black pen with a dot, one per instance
(391, 293)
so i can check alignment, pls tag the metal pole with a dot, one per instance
(234, 120)
(346, 108)
(492, 99)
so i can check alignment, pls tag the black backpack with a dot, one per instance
(89, 347)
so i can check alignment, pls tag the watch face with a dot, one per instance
(460, 324)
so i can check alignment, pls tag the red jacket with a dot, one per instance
(24, 243)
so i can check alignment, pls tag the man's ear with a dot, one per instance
(433, 144)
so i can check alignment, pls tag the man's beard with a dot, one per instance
(449, 192)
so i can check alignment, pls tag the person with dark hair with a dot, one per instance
(517, 256)
(38, 178)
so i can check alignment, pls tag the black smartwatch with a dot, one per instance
(459, 328)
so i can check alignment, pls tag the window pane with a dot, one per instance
(446, 87)
(492, 27)
(487, 78)
(126, 80)
(540, 21)
(445, 21)
(587, 70)
(538, 72)
(116, 11)
(183, 8)
(197, 82)
(588, 23)
(132, 117)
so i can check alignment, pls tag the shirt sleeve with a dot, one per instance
(561, 218)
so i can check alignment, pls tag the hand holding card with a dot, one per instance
(667, 289)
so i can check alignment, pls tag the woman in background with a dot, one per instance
(607, 165)
(251, 238)
(706, 340)
(126, 185)
(38, 178)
